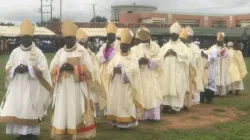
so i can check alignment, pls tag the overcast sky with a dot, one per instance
(81, 10)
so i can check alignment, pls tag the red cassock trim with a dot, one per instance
(79, 73)
(223, 52)
(85, 129)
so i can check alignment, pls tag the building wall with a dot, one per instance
(153, 15)
(204, 21)
(129, 18)
(241, 18)
(133, 8)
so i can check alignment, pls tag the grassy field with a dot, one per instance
(236, 130)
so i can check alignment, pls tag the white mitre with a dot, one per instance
(175, 28)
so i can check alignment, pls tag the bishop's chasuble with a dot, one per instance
(125, 92)
(104, 56)
(28, 95)
(237, 69)
(150, 74)
(174, 73)
(222, 65)
(72, 110)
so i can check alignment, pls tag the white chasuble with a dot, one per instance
(104, 56)
(150, 73)
(125, 92)
(197, 63)
(222, 65)
(173, 79)
(28, 95)
(97, 91)
(73, 114)
(238, 70)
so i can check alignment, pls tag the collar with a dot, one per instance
(124, 54)
(114, 43)
(71, 49)
(26, 49)
(174, 42)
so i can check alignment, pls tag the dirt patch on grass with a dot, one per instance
(198, 116)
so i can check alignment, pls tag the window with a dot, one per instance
(191, 23)
(130, 12)
(238, 25)
(243, 23)
(159, 21)
(219, 24)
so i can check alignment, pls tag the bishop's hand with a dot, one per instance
(21, 69)
(170, 52)
(143, 61)
(117, 70)
(66, 67)
(204, 55)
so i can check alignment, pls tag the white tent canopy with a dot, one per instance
(92, 32)
(13, 31)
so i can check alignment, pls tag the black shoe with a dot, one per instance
(32, 137)
(165, 109)
(185, 108)
(171, 111)
(22, 137)
(209, 102)
(237, 93)
(18, 138)
(123, 129)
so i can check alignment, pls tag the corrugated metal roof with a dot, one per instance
(229, 32)
(56, 26)
(162, 29)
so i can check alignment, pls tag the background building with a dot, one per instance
(117, 10)
(138, 14)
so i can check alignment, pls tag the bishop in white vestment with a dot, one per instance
(238, 70)
(29, 90)
(173, 79)
(197, 67)
(107, 52)
(71, 68)
(219, 53)
(97, 92)
(125, 91)
(190, 70)
(146, 53)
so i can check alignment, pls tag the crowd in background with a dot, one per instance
(52, 44)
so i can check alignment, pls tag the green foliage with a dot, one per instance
(99, 19)
(6, 24)
(54, 19)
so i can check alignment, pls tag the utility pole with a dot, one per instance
(94, 12)
(51, 9)
(61, 10)
(43, 12)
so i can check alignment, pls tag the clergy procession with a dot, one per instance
(130, 80)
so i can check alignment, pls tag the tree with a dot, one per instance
(41, 24)
(99, 19)
(6, 24)
(54, 19)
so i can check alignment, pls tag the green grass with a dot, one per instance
(236, 130)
